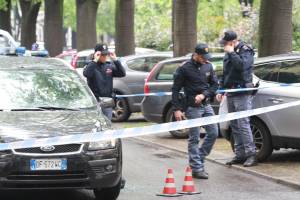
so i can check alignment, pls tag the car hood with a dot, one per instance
(17, 126)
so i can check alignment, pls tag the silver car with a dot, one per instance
(278, 129)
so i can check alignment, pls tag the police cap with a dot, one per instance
(228, 36)
(202, 49)
(102, 48)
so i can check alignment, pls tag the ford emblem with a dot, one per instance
(47, 148)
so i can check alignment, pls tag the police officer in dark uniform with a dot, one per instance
(237, 73)
(100, 73)
(199, 82)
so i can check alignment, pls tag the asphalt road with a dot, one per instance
(145, 169)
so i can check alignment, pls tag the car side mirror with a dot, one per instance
(106, 102)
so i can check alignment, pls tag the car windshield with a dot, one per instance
(35, 88)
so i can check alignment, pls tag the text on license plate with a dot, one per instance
(48, 164)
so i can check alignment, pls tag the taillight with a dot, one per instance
(149, 77)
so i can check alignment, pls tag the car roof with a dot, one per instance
(156, 54)
(139, 51)
(15, 62)
(290, 56)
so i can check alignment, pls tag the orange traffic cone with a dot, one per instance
(189, 186)
(170, 188)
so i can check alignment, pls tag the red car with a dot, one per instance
(68, 56)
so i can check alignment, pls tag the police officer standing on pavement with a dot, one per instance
(100, 73)
(237, 73)
(199, 82)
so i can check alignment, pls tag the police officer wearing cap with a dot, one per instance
(100, 73)
(237, 73)
(198, 79)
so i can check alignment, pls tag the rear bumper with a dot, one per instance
(87, 170)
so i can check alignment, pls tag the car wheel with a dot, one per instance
(121, 110)
(108, 193)
(183, 133)
(262, 139)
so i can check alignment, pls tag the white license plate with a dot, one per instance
(48, 164)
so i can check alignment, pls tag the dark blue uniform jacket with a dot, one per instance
(100, 77)
(195, 79)
(237, 68)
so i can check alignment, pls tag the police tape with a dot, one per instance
(218, 91)
(141, 131)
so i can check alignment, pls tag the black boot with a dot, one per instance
(200, 175)
(236, 160)
(251, 161)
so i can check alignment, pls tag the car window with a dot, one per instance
(267, 71)
(138, 64)
(144, 64)
(217, 63)
(82, 61)
(24, 88)
(289, 72)
(152, 61)
(167, 70)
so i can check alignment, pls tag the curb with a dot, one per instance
(242, 169)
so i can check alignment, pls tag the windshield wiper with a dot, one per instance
(56, 108)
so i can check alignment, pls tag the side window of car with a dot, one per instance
(167, 70)
(138, 64)
(289, 72)
(268, 71)
(81, 62)
(152, 61)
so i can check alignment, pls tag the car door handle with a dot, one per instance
(275, 100)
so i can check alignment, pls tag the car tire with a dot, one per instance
(108, 193)
(181, 134)
(121, 111)
(262, 139)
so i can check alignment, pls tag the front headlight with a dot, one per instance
(101, 145)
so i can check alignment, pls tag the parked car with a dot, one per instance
(45, 97)
(68, 55)
(278, 129)
(137, 69)
(82, 58)
(159, 109)
(7, 43)
(8, 46)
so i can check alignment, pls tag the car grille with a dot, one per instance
(59, 149)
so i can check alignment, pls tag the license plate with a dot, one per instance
(48, 164)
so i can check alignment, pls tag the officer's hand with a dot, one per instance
(178, 115)
(199, 98)
(97, 55)
(219, 97)
(229, 48)
(113, 56)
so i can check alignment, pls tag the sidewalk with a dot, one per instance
(282, 167)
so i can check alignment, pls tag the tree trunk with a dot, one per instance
(30, 10)
(86, 11)
(53, 31)
(125, 44)
(173, 25)
(275, 27)
(185, 26)
(5, 17)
